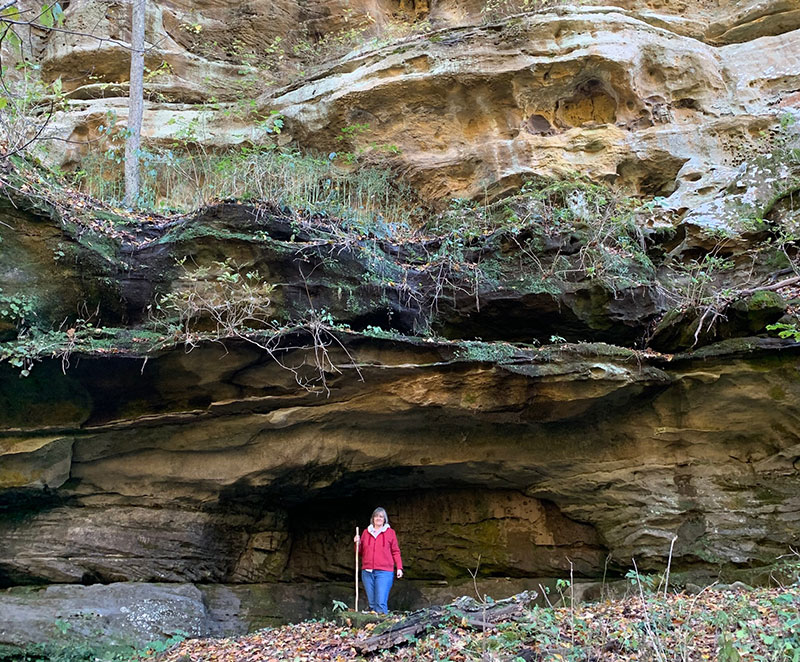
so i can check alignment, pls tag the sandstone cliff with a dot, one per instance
(566, 368)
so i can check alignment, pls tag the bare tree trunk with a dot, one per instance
(135, 103)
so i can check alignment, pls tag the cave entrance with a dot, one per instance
(444, 535)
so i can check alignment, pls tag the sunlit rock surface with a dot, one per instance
(600, 91)
(662, 99)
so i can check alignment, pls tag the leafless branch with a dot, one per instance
(654, 642)
(77, 33)
(770, 288)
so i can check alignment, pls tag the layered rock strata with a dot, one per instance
(225, 471)
(204, 472)
(599, 91)
(659, 100)
(133, 455)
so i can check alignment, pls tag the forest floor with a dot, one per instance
(730, 625)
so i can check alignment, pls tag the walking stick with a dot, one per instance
(357, 545)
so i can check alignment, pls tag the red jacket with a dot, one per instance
(381, 553)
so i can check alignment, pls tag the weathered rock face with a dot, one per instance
(224, 473)
(595, 90)
(135, 613)
(661, 99)
(210, 463)
(231, 483)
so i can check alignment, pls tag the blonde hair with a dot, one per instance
(378, 511)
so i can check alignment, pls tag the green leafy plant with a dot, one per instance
(20, 309)
(647, 582)
(161, 645)
(32, 344)
(62, 626)
(786, 330)
(475, 350)
(378, 332)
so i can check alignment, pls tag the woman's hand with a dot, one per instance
(399, 573)
(356, 538)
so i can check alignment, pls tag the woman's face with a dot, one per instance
(378, 520)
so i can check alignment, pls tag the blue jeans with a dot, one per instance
(377, 584)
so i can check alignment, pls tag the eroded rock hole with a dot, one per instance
(687, 103)
(656, 176)
(539, 125)
(591, 103)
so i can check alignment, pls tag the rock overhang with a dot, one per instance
(206, 465)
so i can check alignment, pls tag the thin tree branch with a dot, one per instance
(33, 139)
(77, 33)
(771, 288)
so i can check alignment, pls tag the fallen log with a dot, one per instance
(465, 612)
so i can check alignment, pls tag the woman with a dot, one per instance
(380, 554)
